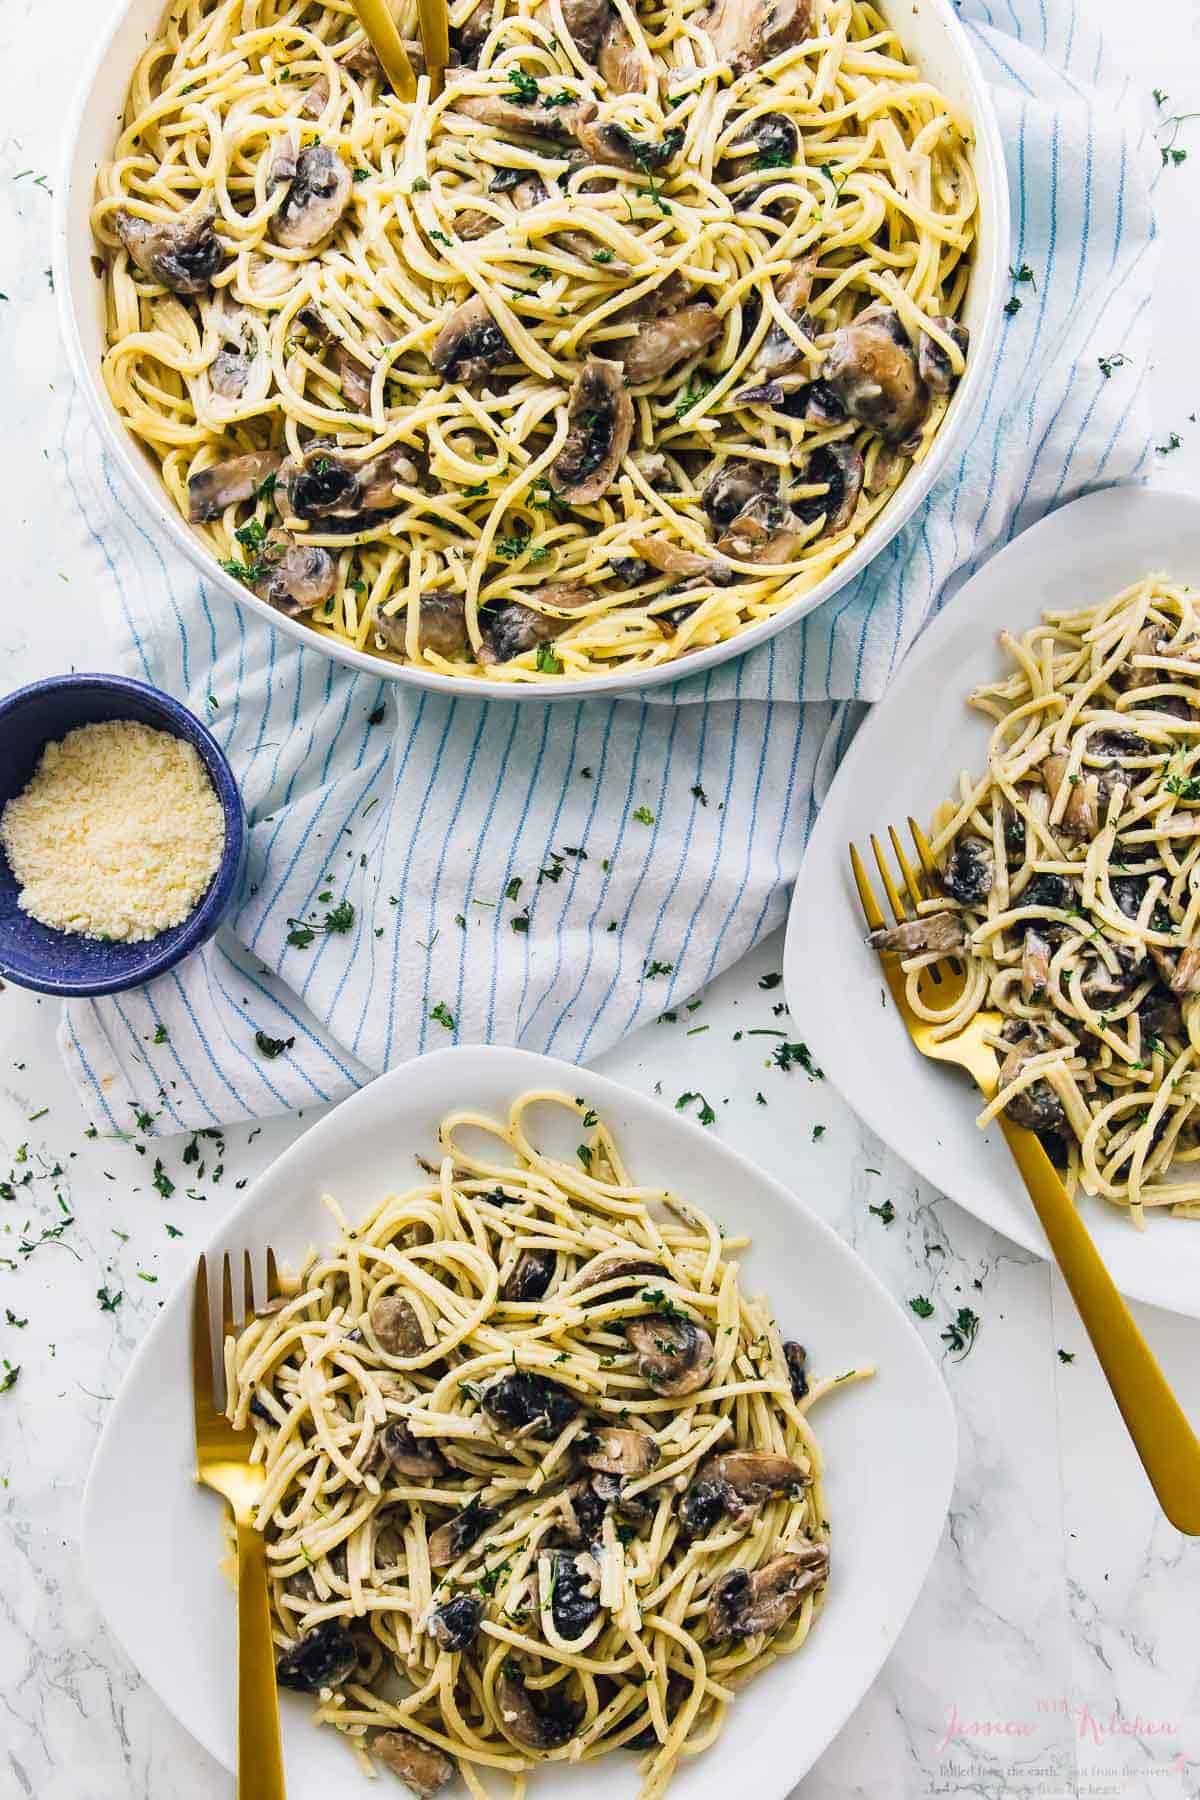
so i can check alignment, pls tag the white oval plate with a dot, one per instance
(933, 37)
(906, 758)
(151, 1538)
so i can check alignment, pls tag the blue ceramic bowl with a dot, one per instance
(62, 962)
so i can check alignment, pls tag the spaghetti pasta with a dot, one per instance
(1070, 874)
(539, 1479)
(613, 349)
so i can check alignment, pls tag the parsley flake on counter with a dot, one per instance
(442, 1014)
(706, 1114)
(1012, 305)
(818, 1132)
(1066, 1356)
(1173, 442)
(10, 1377)
(699, 794)
(922, 1307)
(338, 919)
(12, 1319)
(886, 1212)
(643, 815)
(961, 1335)
(657, 968)
(785, 1055)
(161, 1180)
(520, 921)
(769, 981)
(1108, 363)
(109, 1302)
(271, 1046)
(161, 1035)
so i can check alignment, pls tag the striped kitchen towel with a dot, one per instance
(552, 876)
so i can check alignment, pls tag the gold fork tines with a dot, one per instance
(223, 1464)
(1165, 1442)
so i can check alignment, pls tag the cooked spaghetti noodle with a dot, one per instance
(613, 349)
(539, 1479)
(1071, 877)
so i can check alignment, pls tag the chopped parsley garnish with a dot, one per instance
(109, 1302)
(420, 185)
(1066, 1356)
(818, 1132)
(650, 969)
(339, 918)
(602, 256)
(477, 492)
(161, 1180)
(1173, 442)
(785, 1055)
(961, 1335)
(1108, 363)
(377, 715)
(692, 395)
(10, 1377)
(886, 1212)
(779, 157)
(1184, 787)
(546, 662)
(922, 1307)
(513, 888)
(272, 1046)
(442, 1015)
(643, 815)
(699, 794)
(520, 921)
(706, 1114)
(524, 87)
(770, 981)
(361, 175)
(584, 1153)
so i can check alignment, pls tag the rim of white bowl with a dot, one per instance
(992, 183)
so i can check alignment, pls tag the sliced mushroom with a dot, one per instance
(765, 531)
(224, 484)
(737, 1485)
(531, 1276)
(607, 141)
(363, 62)
(184, 253)
(510, 627)
(396, 1326)
(666, 342)
(872, 372)
(675, 1355)
(673, 559)
(323, 1658)
(618, 60)
(540, 1721)
(1081, 815)
(441, 627)
(417, 1457)
(316, 99)
(1035, 967)
(1054, 892)
(455, 1625)
(449, 1541)
(796, 1358)
(1037, 1107)
(668, 296)
(468, 341)
(523, 1401)
(933, 363)
(324, 484)
(515, 120)
(317, 197)
(839, 468)
(630, 571)
(735, 484)
(615, 1266)
(932, 931)
(294, 577)
(778, 353)
(1160, 1016)
(1149, 641)
(421, 1766)
(285, 160)
(613, 1450)
(1102, 986)
(970, 871)
(745, 33)
(574, 1592)
(587, 21)
(776, 140)
(600, 426)
(1182, 973)
(469, 37)
(745, 1605)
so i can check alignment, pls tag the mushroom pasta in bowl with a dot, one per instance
(646, 332)
(540, 1483)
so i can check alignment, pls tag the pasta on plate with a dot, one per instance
(540, 1483)
(613, 349)
(1069, 877)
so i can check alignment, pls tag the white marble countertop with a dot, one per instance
(1054, 1651)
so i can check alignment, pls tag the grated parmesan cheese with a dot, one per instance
(118, 833)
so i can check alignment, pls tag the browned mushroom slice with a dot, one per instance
(323, 1658)
(618, 60)
(510, 627)
(345, 496)
(969, 871)
(455, 1625)
(737, 1486)
(526, 1402)
(615, 1266)
(469, 37)
(796, 1358)
(421, 1766)
(1182, 974)
(933, 363)
(746, 1605)
(211, 490)
(467, 342)
(442, 626)
(776, 140)
(449, 1541)
(778, 353)
(622, 1452)
(557, 123)
(541, 1721)
(285, 159)
(1150, 641)
(735, 484)
(668, 296)
(396, 1326)
(600, 426)
(765, 531)
(228, 373)
(670, 340)
(607, 141)
(938, 932)
(675, 1355)
(531, 1275)
(1081, 815)
(1037, 1107)
(586, 20)
(872, 372)
(294, 577)
(317, 196)
(362, 61)
(673, 559)
(745, 33)
(316, 99)
(409, 1455)
(183, 253)
(1035, 966)
(839, 469)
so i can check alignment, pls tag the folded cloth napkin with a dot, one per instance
(552, 876)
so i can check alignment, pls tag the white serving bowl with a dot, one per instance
(935, 41)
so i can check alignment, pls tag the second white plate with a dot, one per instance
(906, 758)
(151, 1538)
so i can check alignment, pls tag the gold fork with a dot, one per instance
(375, 17)
(1164, 1440)
(223, 1464)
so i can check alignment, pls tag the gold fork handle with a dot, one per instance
(1166, 1443)
(260, 1754)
